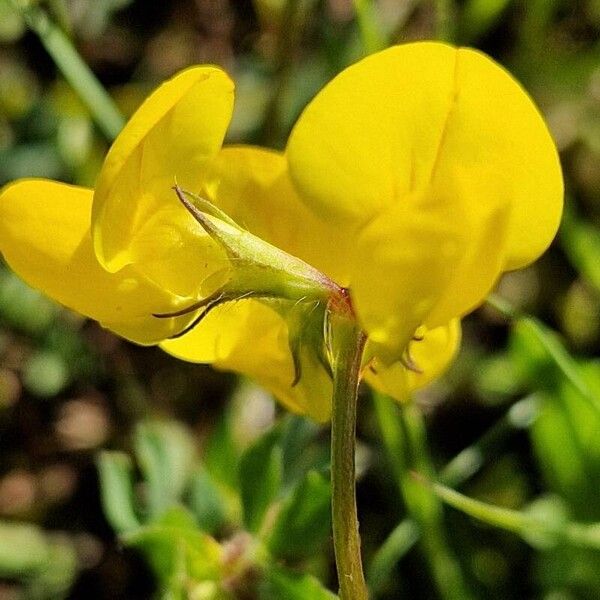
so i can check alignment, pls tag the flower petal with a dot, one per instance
(496, 147)
(249, 337)
(45, 238)
(485, 234)
(168, 140)
(432, 355)
(426, 124)
(370, 137)
(402, 261)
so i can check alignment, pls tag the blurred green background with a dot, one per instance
(205, 489)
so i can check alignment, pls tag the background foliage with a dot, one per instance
(124, 473)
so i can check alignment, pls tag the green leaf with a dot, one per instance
(12, 26)
(303, 523)
(569, 568)
(543, 524)
(46, 565)
(207, 502)
(177, 550)
(384, 561)
(557, 446)
(565, 440)
(221, 455)
(496, 377)
(565, 434)
(372, 38)
(46, 374)
(165, 451)
(260, 478)
(538, 350)
(57, 575)
(283, 584)
(116, 471)
(24, 308)
(581, 243)
(300, 453)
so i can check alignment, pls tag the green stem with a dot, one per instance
(549, 342)
(74, 69)
(348, 344)
(371, 36)
(290, 34)
(566, 364)
(404, 437)
(503, 306)
(468, 461)
(443, 20)
(534, 529)
(59, 12)
(442, 561)
(396, 35)
(402, 538)
(461, 468)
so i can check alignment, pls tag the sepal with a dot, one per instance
(257, 268)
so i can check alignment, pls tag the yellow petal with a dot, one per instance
(432, 355)
(252, 186)
(402, 261)
(249, 337)
(45, 238)
(370, 137)
(426, 124)
(136, 215)
(484, 234)
(497, 147)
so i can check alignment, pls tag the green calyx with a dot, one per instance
(301, 294)
(257, 267)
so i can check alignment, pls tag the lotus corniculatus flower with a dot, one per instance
(410, 183)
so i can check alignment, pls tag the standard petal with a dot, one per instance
(426, 124)
(370, 137)
(432, 355)
(496, 147)
(45, 238)
(136, 216)
(249, 337)
(253, 187)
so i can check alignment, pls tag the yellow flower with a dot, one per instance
(130, 251)
(417, 177)
(440, 168)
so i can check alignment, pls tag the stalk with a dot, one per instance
(403, 435)
(443, 20)
(74, 69)
(347, 345)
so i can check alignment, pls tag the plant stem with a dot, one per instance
(443, 20)
(442, 561)
(503, 306)
(347, 345)
(462, 467)
(549, 342)
(402, 538)
(469, 461)
(290, 35)
(535, 529)
(404, 438)
(396, 35)
(74, 69)
(372, 38)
